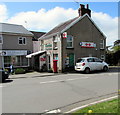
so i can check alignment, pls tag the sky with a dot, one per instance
(43, 16)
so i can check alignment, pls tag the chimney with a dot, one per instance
(82, 10)
(87, 6)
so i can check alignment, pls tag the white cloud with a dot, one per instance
(108, 25)
(43, 20)
(3, 12)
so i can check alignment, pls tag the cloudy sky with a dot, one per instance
(43, 16)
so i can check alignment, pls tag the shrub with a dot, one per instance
(19, 71)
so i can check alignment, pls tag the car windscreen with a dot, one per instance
(80, 60)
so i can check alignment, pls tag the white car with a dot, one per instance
(89, 64)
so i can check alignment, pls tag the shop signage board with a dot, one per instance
(48, 47)
(87, 44)
(14, 52)
(64, 35)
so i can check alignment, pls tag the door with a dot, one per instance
(71, 60)
(91, 64)
(99, 64)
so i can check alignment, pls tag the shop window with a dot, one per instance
(15, 61)
(102, 44)
(22, 40)
(69, 41)
(1, 39)
(7, 61)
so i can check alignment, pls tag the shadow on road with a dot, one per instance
(111, 70)
(7, 81)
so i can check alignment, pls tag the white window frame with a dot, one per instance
(69, 41)
(102, 42)
(22, 38)
(1, 39)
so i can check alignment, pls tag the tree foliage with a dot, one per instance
(113, 56)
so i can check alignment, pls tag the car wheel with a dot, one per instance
(87, 70)
(105, 68)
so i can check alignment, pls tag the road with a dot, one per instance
(64, 92)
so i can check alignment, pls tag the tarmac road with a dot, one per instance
(63, 91)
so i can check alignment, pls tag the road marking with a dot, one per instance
(62, 80)
(54, 111)
(77, 108)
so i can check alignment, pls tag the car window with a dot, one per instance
(98, 60)
(90, 60)
(80, 60)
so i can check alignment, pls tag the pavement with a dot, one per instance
(46, 74)
(32, 75)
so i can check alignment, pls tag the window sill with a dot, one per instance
(102, 48)
(69, 48)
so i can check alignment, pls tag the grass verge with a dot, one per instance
(104, 107)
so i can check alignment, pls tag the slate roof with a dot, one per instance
(37, 35)
(59, 28)
(14, 29)
(66, 25)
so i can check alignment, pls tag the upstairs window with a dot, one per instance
(1, 39)
(55, 42)
(102, 44)
(22, 40)
(69, 41)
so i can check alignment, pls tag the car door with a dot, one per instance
(99, 64)
(91, 63)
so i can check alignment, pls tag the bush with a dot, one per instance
(19, 71)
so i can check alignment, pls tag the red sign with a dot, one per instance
(64, 35)
(42, 59)
(87, 44)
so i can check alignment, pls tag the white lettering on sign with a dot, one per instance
(14, 52)
(87, 44)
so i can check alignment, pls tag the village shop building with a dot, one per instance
(15, 44)
(73, 39)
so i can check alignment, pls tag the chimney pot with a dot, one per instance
(82, 6)
(87, 6)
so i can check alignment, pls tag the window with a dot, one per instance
(22, 40)
(55, 44)
(69, 41)
(102, 57)
(1, 39)
(80, 60)
(102, 44)
(55, 56)
(90, 60)
(98, 60)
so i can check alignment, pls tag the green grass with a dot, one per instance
(104, 107)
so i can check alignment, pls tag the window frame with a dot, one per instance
(69, 41)
(1, 39)
(102, 42)
(22, 39)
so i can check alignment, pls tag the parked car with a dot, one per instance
(3, 75)
(89, 64)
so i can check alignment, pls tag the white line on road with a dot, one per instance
(54, 111)
(77, 108)
(62, 80)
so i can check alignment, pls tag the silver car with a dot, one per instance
(89, 64)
